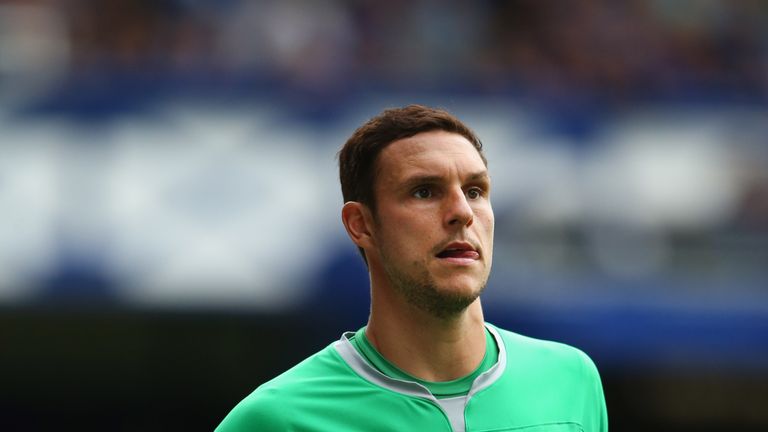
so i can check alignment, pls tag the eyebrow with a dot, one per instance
(480, 175)
(432, 179)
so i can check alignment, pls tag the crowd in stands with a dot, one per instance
(625, 50)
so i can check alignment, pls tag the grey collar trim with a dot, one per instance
(453, 408)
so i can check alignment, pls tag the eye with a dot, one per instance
(423, 193)
(474, 193)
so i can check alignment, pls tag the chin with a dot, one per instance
(471, 288)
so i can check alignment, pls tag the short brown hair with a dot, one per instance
(358, 156)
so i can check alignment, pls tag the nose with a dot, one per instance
(458, 211)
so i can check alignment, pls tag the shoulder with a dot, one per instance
(527, 352)
(271, 405)
(559, 377)
(258, 411)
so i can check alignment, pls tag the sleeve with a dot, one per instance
(257, 412)
(595, 412)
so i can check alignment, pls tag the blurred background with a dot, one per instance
(169, 203)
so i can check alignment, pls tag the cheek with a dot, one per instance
(420, 222)
(486, 217)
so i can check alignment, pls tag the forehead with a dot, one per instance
(429, 153)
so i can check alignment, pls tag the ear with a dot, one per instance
(358, 222)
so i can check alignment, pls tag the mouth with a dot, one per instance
(459, 252)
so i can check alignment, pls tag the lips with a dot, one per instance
(459, 250)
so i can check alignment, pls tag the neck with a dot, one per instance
(425, 346)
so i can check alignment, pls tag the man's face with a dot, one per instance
(433, 225)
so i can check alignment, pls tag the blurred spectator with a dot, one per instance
(615, 50)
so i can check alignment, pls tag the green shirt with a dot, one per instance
(441, 389)
(534, 386)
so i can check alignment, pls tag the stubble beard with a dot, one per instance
(422, 292)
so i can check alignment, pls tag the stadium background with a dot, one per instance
(169, 229)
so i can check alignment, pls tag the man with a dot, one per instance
(417, 205)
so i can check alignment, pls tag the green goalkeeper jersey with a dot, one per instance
(533, 386)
